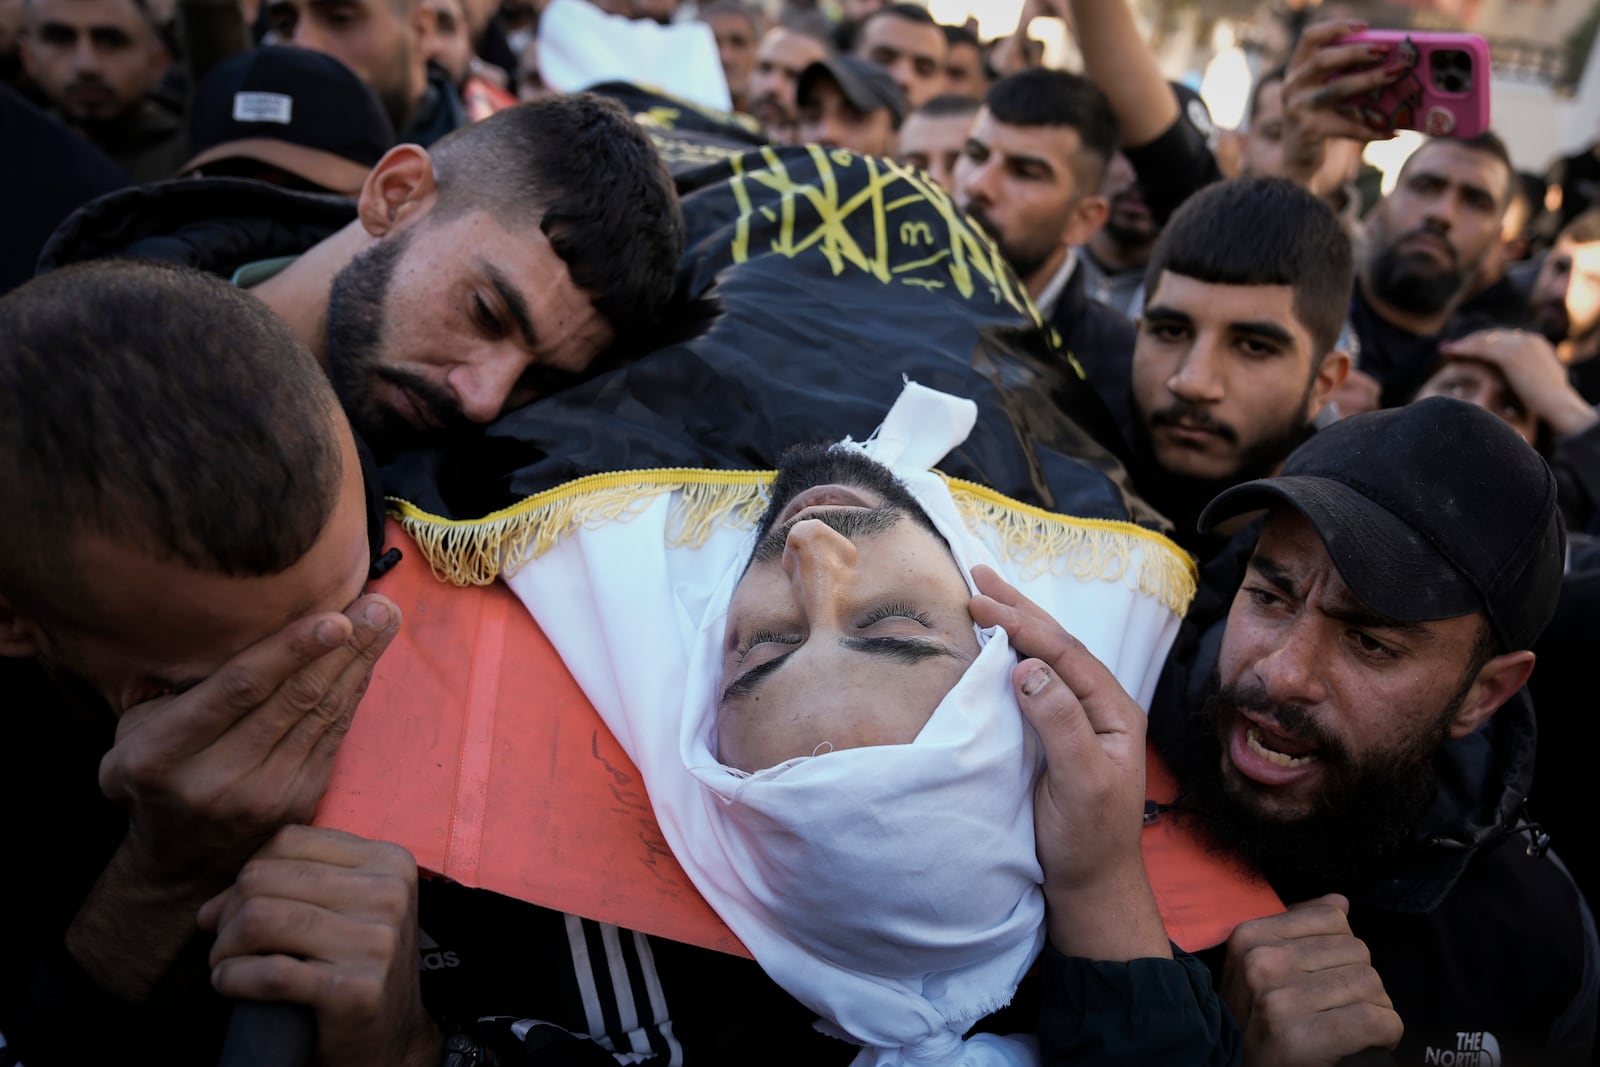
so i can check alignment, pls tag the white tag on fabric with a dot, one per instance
(263, 107)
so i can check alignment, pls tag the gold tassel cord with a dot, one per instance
(476, 552)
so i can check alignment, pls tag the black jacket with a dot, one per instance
(212, 224)
(1099, 338)
(1478, 930)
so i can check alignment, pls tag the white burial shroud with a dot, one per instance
(894, 890)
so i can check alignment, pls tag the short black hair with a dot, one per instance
(1043, 97)
(909, 12)
(166, 409)
(946, 105)
(1263, 231)
(580, 167)
(954, 35)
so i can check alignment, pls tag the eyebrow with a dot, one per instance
(517, 306)
(897, 649)
(1263, 328)
(1344, 608)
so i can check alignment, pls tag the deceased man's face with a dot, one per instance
(850, 624)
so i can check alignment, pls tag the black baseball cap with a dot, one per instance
(1430, 511)
(302, 111)
(866, 85)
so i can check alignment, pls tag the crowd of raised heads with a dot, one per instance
(1034, 576)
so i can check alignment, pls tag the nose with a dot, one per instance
(975, 182)
(483, 385)
(1197, 377)
(1289, 672)
(307, 36)
(820, 563)
(85, 57)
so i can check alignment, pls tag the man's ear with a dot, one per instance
(19, 635)
(1331, 373)
(1497, 681)
(1088, 215)
(400, 188)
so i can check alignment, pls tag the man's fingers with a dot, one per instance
(1310, 918)
(310, 690)
(314, 738)
(1319, 35)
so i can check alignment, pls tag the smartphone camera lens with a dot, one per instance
(1452, 70)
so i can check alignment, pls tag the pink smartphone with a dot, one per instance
(1444, 92)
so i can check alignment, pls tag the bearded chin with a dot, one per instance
(1412, 286)
(1368, 816)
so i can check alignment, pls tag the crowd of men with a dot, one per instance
(1370, 418)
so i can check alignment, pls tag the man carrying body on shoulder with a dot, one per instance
(1236, 354)
(465, 281)
(1356, 730)
(846, 102)
(1030, 176)
(185, 638)
(98, 64)
(1425, 239)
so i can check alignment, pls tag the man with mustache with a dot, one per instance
(1236, 350)
(1566, 301)
(785, 51)
(466, 279)
(1356, 730)
(1030, 176)
(1426, 239)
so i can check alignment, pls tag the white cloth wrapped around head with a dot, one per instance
(893, 889)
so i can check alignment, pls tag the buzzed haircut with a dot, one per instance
(163, 408)
(948, 105)
(1264, 231)
(580, 168)
(1044, 97)
(1585, 229)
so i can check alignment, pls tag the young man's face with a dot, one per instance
(935, 143)
(912, 52)
(1317, 689)
(850, 625)
(1566, 295)
(157, 626)
(780, 59)
(94, 59)
(1441, 220)
(1017, 182)
(449, 323)
(384, 49)
(1223, 377)
(828, 118)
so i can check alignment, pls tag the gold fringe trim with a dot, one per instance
(1041, 541)
(477, 551)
